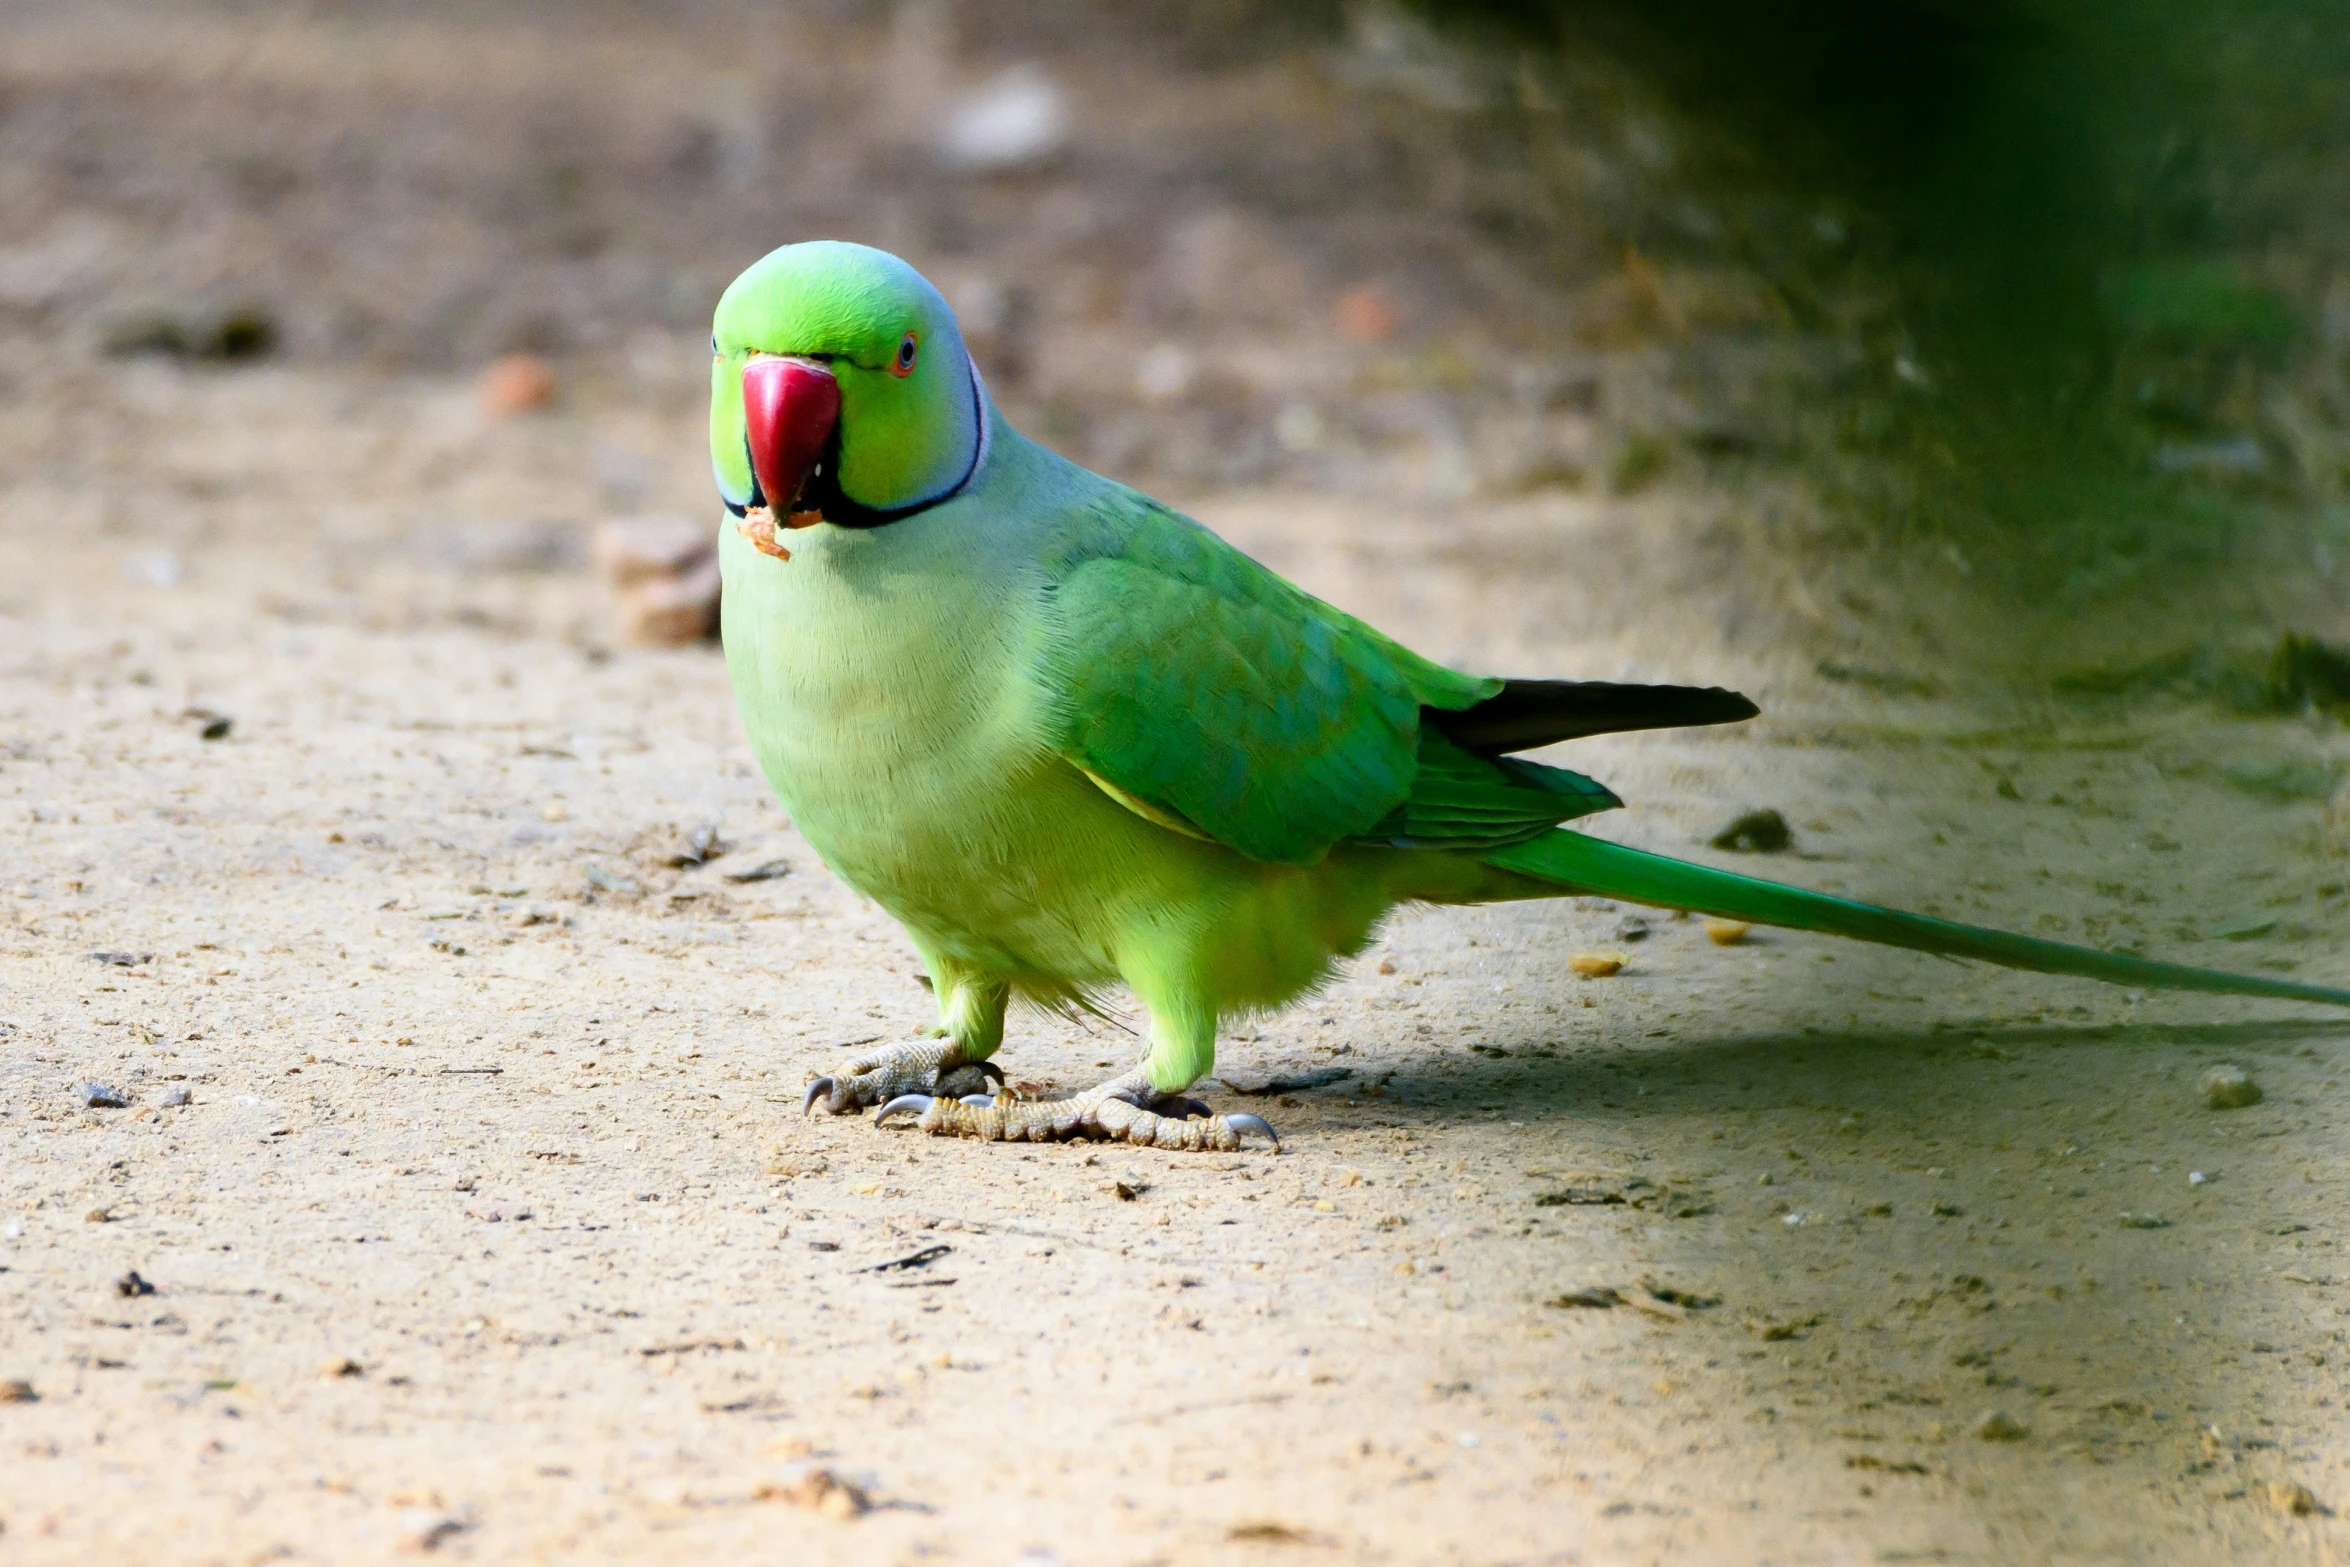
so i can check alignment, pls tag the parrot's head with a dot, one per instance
(840, 390)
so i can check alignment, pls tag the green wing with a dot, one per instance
(1194, 683)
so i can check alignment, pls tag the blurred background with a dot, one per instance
(1917, 340)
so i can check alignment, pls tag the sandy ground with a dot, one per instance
(489, 1225)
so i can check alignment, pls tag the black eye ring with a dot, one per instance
(906, 353)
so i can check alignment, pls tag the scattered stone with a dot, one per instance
(130, 1286)
(1266, 1532)
(2293, 1499)
(767, 870)
(191, 331)
(2144, 1221)
(701, 846)
(16, 1390)
(1644, 1299)
(100, 1096)
(1018, 120)
(423, 1529)
(531, 914)
(2227, 1088)
(176, 1096)
(517, 384)
(1998, 1426)
(1365, 314)
(1596, 1298)
(2198, 1178)
(1632, 930)
(820, 1490)
(1582, 1197)
(1756, 832)
(663, 573)
(340, 1366)
(1597, 965)
(122, 959)
(211, 725)
(1688, 1300)
(99, 1216)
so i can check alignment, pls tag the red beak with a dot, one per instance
(789, 409)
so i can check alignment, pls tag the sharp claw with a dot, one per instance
(912, 1104)
(1242, 1124)
(1195, 1107)
(822, 1088)
(990, 1071)
(970, 1099)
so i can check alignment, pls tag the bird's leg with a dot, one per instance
(1144, 1106)
(951, 1063)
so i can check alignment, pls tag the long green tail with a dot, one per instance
(1607, 870)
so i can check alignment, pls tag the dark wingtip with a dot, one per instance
(1527, 714)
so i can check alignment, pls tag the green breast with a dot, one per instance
(878, 676)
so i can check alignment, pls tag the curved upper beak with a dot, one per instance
(789, 409)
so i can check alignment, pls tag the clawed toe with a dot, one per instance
(1125, 1110)
(822, 1088)
(1242, 1123)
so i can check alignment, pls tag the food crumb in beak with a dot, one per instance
(758, 525)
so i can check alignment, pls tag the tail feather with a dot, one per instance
(1602, 869)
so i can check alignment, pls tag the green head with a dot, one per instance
(839, 379)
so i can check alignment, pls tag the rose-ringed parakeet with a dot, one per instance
(1070, 739)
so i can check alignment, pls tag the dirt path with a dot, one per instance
(491, 1226)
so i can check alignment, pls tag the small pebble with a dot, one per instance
(1999, 1426)
(1726, 933)
(100, 1096)
(1756, 832)
(516, 384)
(424, 1529)
(2227, 1088)
(15, 1390)
(2198, 1178)
(1596, 965)
(2296, 1500)
(174, 1097)
(340, 1366)
(820, 1490)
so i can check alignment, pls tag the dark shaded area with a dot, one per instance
(2108, 237)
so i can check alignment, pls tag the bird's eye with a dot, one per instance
(905, 362)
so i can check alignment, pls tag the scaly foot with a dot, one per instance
(1125, 1108)
(928, 1066)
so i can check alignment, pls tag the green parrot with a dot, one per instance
(1071, 739)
